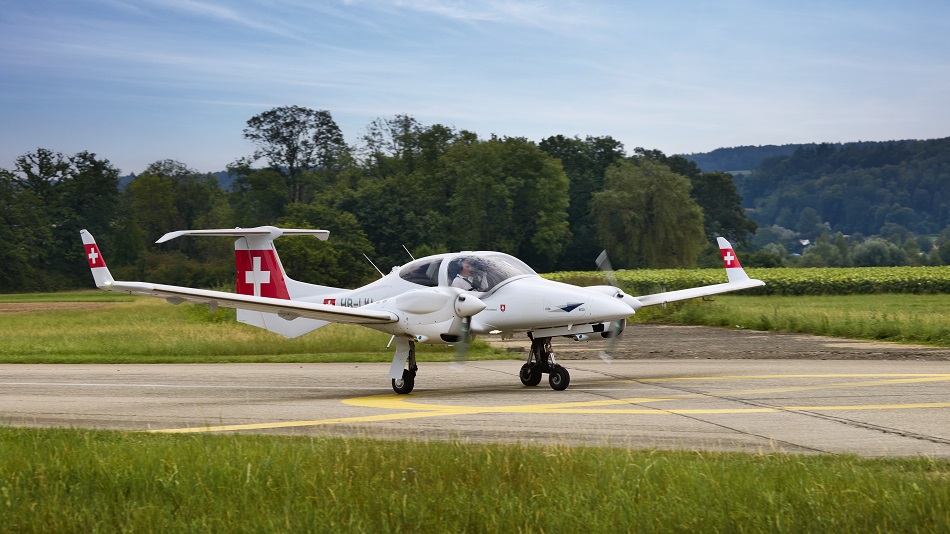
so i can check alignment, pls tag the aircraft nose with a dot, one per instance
(607, 308)
(468, 305)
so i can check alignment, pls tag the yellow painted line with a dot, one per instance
(402, 402)
(414, 410)
(319, 422)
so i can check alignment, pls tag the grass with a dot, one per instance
(891, 317)
(148, 330)
(91, 295)
(100, 481)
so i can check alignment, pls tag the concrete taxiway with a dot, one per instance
(870, 408)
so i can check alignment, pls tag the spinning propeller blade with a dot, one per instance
(616, 327)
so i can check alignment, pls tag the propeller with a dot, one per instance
(616, 327)
(465, 307)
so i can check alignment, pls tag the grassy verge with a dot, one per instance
(96, 481)
(893, 317)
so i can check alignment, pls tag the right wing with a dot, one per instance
(286, 309)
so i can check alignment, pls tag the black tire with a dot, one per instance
(559, 378)
(405, 385)
(530, 374)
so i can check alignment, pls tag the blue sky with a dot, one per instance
(140, 81)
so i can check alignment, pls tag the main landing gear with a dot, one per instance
(405, 384)
(541, 360)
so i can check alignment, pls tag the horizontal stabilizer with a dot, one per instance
(271, 231)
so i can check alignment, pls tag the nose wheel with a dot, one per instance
(540, 361)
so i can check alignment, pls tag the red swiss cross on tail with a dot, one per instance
(259, 274)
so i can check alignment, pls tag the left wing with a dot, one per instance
(286, 309)
(738, 279)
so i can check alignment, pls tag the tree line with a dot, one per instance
(432, 188)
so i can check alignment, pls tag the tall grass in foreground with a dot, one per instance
(97, 481)
(891, 317)
(149, 330)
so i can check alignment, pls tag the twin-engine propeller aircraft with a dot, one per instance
(439, 300)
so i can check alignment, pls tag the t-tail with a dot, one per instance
(261, 274)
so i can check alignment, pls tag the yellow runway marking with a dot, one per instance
(410, 409)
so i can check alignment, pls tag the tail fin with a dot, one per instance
(734, 271)
(260, 273)
(97, 263)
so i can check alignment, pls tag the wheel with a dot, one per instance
(530, 374)
(406, 383)
(559, 378)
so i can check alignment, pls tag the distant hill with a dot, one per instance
(224, 178)
(740, 158)
(872, 188)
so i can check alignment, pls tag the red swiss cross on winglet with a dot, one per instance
(729, 258)
(94, 257)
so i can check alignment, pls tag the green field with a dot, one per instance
(149, 330)
(894, 317)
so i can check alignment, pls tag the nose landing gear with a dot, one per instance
(541, 360)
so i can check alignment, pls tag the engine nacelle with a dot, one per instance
(434, 316)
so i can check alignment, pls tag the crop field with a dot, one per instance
(781, 281)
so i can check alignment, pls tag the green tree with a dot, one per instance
(507, 195)
(646, 217)
(395, 211)
(715, 193)
(54, 196)
(337, 262)
(877, 252)
(295, 140)
(170, 196)
(258, 196)
(585, 162)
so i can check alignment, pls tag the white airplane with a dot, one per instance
(438, 300)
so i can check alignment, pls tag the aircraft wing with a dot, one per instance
(287, 309)
(738, 280)
(694, 292)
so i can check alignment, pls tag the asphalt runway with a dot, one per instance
(892, 407)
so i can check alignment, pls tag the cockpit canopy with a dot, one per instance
(474, 271)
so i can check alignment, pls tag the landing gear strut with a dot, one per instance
(405, 384)
(541, 360)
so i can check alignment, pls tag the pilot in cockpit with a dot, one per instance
(469, 277)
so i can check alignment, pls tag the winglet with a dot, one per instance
(734, 271)
(100, 273)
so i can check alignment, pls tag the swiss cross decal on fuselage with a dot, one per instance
(92, 254)
(729, 258)
(259, 274)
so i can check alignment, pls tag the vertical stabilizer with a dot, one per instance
(260, 273)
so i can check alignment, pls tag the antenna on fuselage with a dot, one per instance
(410, 253)
(381, 275)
